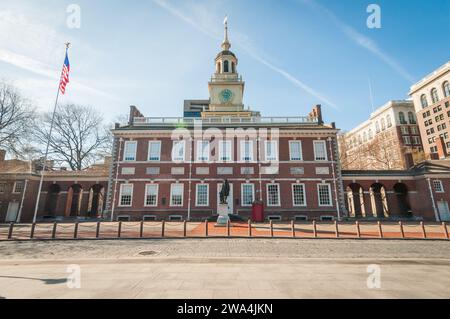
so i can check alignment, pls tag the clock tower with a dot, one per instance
(226, 88)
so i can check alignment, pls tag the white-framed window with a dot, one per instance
(326, 218)
(176, 194)
(407, 140)
(148, 218)
(129, 151)
(273, 195)
(178, 150)
(295, 150)
(320, 150)
(271, 150)
(126, 195)
(274, 217)
(416, 140)
(438, 186)
(324, 194)
(19, 186)
(175, 218)
(202, 195)
(225, 152)
(247, 194)
(151, 195)
(404, 130)
(154, 151)
(123, 218)
(298, 195)
(202, 151)
(247, 151)
(301, 218)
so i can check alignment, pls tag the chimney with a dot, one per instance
(2, 155)
(441, 149)
(316, 114)
(134, 112)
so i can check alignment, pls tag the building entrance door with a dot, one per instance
(444, 212)
(229, 200)
(11, 215)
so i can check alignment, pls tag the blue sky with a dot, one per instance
(156, 53)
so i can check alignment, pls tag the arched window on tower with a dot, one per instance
(233, 67)
(424, 101)
(434, 95)
(446, 88)
(225, 67)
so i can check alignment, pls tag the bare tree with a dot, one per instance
(79, 137)
(16, 114)
(383, 152)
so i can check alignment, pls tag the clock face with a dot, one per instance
(226, 96)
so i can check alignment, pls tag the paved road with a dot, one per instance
(219, 268)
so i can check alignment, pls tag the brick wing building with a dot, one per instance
(174, 167)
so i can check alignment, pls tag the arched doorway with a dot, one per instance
(51, 202)
(379, 200)
(74, 198)
(96, 200)
(355, 198)
(401, 193)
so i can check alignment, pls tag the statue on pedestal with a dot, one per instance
(224, 193)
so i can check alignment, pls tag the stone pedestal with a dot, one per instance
(223, 210)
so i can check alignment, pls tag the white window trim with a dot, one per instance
(314, 149)
(124, 216)
(242, 151)
(175, 218)
(200, 151)
(147, 216)
(441, 184)
(157, 195)
(149, 148)
(242, 194)
(267, 195)
(120, 195)
(14, 187)
(304, 218)
(332, 218)
(221, 144)
(329, 193)
(207, 195)
(182, 195)
(290, 151)
(274, 217)
(265, 150)
(304, 195)
(184, 151)
(125, 153)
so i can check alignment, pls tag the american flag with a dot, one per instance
(65, 75)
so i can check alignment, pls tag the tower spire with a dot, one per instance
(226, 43)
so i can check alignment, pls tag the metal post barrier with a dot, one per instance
(163, 228)
(119, 230)
(336, 226)
(10, 230)
(75, 231)
(380, 230)
(97, 231)
(358, 230)
(444, 225)
(33, 228)
(271, 228)
(424, 233)
(228, 228)
(402, 231)
(314, 229)
(184, 229)
(54, 230)
(141, 229)
(206, 228)
(249, 228)
(293, 228)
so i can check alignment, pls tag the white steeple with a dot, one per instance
(226, 43)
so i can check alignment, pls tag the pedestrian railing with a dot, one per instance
(184, 229)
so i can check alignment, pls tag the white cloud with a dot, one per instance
(203, 20)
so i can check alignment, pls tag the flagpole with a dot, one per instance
(48, 145)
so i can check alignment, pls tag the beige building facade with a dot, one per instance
(389, 139)
(431, 97)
